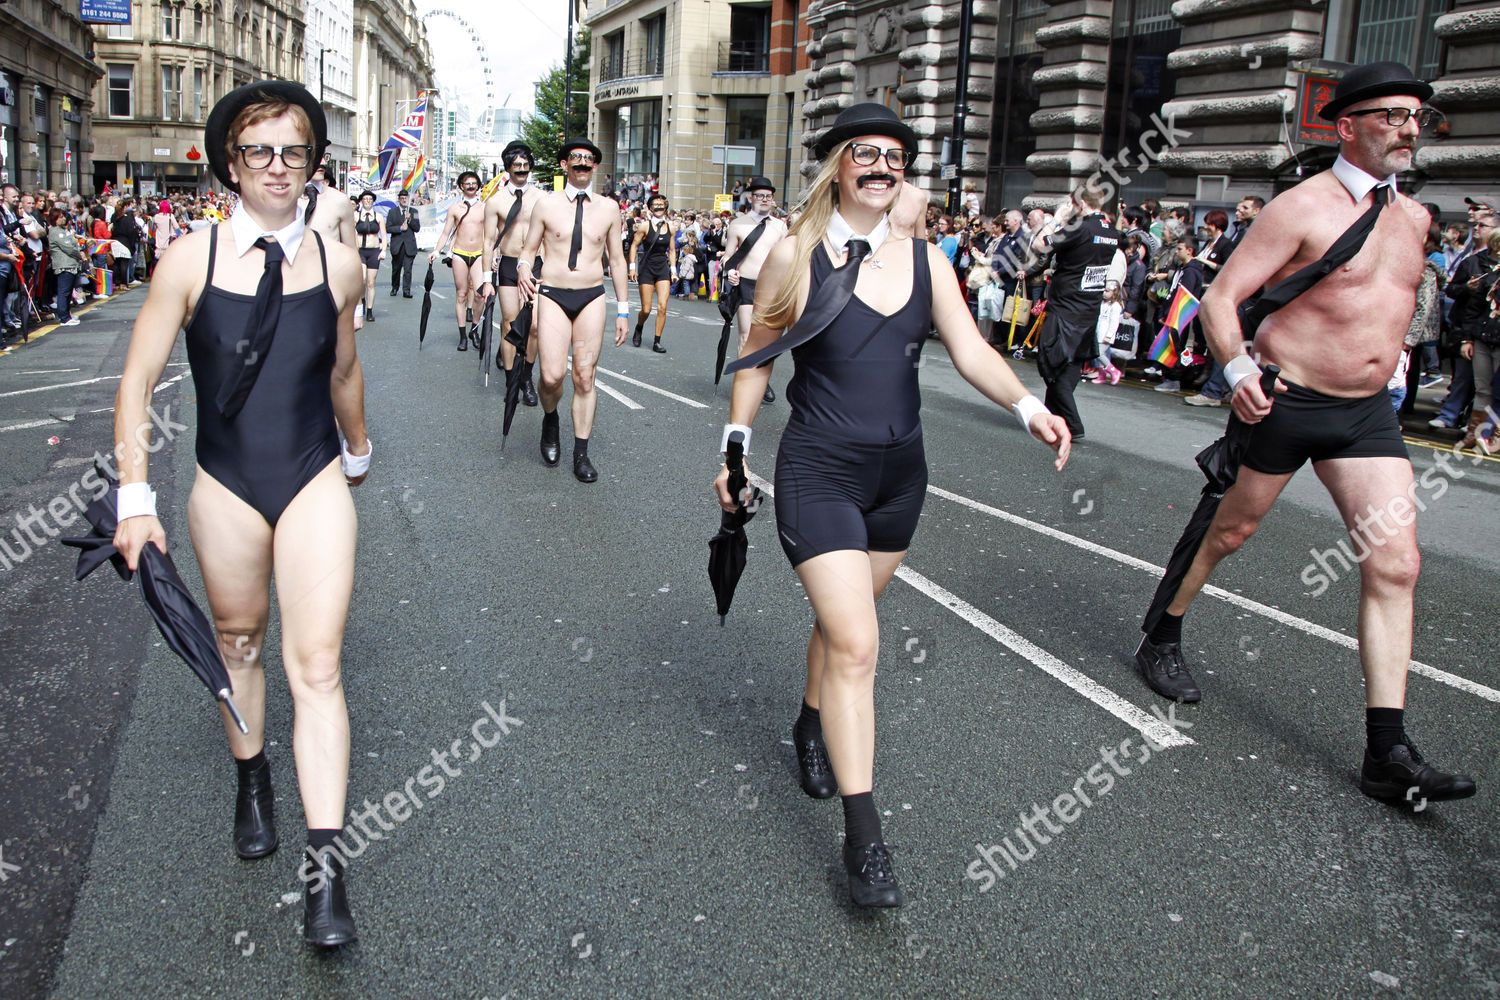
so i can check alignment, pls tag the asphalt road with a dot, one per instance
(635, 828)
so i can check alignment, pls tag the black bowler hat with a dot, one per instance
(515, 149)
(760, 184)
(573, 144)
(865, 119)
(225, 112)
(1378, 79)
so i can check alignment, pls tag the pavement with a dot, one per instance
(633, 827)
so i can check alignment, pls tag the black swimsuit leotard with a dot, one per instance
(653, 264)
(285, 434)
(851, 472)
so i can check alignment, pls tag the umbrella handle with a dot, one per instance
(1268, 378)
(239, 720)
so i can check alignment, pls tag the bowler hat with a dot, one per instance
(225, 112)
(1378, 79)
(760, 184)
(865, 119)
(572, 144)
(515, 149)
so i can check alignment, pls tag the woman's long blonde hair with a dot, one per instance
(812, 213)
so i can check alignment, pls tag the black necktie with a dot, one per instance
(515, 213)
(823, 308)
(311, 190)
(577, 231)
(255, 344)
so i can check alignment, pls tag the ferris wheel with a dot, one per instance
(460, 69)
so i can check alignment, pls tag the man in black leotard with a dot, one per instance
(850, 468)
(270, 500)
(369, 235)
(573, 229)
(653, 261)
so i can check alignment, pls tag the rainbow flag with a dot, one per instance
(1164, 348)
(1182, 310)
(418, 175)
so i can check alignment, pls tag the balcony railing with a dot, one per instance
(743, 57)
(628, 64)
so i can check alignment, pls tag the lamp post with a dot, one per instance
(379, 115)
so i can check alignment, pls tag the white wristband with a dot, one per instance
(1027, 407)
(623, 310)
(356, 465)
(1239, 369)
(134, 500)
(730, 429)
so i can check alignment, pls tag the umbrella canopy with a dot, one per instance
(726, 550)
(179, 619)
(728, 304)
(1220, 463)
(426, 305)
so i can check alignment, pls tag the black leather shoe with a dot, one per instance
(463, 341)
(474, 335)
(635, 341)
(1161, 666)
(656, 346)
(255, 815)
(528, 393)
(406, 295)
(1403, 776)
(328, 922)
(584, 469)
(817, 773)
(393, 293)
(550, 449)
(872, 881)
(770, 396)
(370, 315)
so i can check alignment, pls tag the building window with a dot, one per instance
(198, 76)
(121, 87)
(745, 125)
(126, 31)
(171, 93)
(749, 47)
(1401, 31)
(1140, 82)
(198, 23)
(1017, 58)
(638, 138)
(171, 22)
(612, 66)
(656, 44)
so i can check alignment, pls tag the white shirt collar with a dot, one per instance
(246, 231)
(840, 233)
(1356, 181)
(515, 190)
(572, 192)
(472, 201)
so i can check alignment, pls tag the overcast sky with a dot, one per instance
(524, 38)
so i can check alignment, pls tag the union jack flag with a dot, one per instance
(408, 135)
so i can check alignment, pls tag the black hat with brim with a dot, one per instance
(760, 184)
(1372, 80)
(573, 144)
(865, 119)
(225, 112)
(515, 149)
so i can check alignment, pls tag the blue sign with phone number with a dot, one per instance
(104, 11)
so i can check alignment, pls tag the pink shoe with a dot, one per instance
(1114, 375)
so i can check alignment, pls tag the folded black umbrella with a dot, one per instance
(728, 304)
(520, 328)
(486, 325)
(181, 622)
(1220, 463)
(726, 550)
(426, 305)
(515, 382)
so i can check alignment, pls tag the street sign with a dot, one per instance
(104, 11)
(734, 156)
(950, 171)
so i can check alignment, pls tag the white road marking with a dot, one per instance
(1265, 610)
(60, 385)
(617, 394)
(652, 388)
(1143, 722)
(51, 371)
(28, 425)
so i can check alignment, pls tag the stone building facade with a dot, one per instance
(47, 78)
(164, 72)
(329, 72)
(670, 80)
(1186, 101)
(392, 70)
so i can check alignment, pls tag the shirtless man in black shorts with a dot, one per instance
(743, 276)
(465, 225)
(505, 228)
(370, 240)
(573, 230)
(1337, 345)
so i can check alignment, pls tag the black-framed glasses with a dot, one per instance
(259, 157)
(1397, 117)
(897, 158)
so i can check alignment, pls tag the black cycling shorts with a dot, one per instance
(1305, 425)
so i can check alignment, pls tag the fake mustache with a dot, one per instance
(868, 179)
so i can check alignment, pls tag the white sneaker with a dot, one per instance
(1198, 399)
(1171, 385)
(1439, 422)
(72, 321)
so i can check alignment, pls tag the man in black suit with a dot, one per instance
(401, 224)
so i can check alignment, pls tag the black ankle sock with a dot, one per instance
(809, 724)
(1168, 629)
(1384, 728)
(580, 447)
(549, 418)
(861, 821)
(246, 767)
(319, 839)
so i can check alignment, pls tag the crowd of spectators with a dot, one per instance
(61, 249)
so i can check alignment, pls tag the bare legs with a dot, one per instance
(556, 336)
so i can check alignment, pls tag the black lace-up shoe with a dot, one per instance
(872, 881)
(1164, 672)
(1403, 776)
(817, 773)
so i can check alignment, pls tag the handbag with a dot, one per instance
(1016, 305)
(1125, 339)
